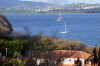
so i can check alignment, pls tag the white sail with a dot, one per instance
(65, 30)
(60, 17)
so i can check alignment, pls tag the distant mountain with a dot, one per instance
(41, 6)
(11, 3)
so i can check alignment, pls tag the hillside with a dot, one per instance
(63, 44)
(5, 26)
(16, 6)
(11, 3)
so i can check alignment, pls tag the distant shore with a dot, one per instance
(46, 12)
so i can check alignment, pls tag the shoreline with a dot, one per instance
(43, 13)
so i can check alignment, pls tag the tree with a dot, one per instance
(99, 57)
(12, 46)
(95, 55)
(78, 62)
(27, 31)
(43, 45)
(39, 46)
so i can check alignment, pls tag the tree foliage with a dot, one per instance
(12, 46)
(13, 62)
(42, 45)
(95, 56)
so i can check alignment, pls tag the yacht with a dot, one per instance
(60, 17)
(65, 30)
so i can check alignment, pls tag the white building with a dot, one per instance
(83, 56)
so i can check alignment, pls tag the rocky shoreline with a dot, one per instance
(5, 26)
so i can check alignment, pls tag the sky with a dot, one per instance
(62, 2)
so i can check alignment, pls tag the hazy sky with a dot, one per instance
(66, 1)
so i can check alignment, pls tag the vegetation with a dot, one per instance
(95, 56)
(34, 46)
(13, 62)
(13, 47)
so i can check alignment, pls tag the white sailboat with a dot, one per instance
(60, 17)
(65, 30)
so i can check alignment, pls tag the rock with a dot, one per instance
(5, 26)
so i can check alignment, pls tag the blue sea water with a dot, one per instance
(81, 27)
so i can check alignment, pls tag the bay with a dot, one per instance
(82, 27)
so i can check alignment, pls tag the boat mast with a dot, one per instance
(65, 30)
(65, 27)
(60, 17)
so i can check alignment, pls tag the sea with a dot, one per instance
(83, 27)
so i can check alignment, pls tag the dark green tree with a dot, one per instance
(40, 46)
(78, 62)
(99, 57)
(12, 46)
(95, 55)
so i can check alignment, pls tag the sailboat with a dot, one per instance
(65, 30)
(60, 17)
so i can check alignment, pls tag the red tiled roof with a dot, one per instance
(57, 54)
(65, 54)
(74, 53)
(80, 54)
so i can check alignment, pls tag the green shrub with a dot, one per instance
(13, 62)
(12, 46)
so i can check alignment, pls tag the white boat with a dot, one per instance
(65, 30)
(60, 17)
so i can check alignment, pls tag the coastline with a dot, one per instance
(47, 12)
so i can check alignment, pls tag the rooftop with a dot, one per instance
(53, 55)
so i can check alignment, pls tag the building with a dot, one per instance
(65, 57)
(83, 56)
